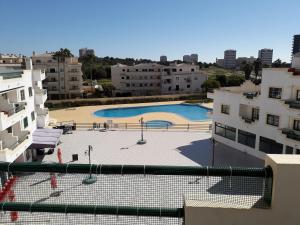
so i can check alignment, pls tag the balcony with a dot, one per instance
(12, 115)
(249, 114)
(11, 146)
(293, 104)
(38, 75)
(40, 96)
(291, 134)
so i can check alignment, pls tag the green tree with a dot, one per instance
(222, 80)
(257, 67)
(235, 80)
(247, 68)
(210, 84)
(277, 63)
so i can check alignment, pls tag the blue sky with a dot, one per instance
(150, 28)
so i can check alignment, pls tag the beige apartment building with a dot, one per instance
(63, 79)
(155, 79)
(11, 59)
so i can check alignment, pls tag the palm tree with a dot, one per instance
(61, 56)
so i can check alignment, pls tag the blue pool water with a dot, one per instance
(158, 124)
(190, 112)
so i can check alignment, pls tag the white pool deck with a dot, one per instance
(119, 147)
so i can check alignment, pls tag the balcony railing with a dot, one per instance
(20, 140)
(291, 134)
(293, 104)
(11, 75)
(16, 109)
(124, 191)
(251, 95)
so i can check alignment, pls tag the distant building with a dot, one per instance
(194, 58)
(85, 52)
(163, 58)
(220, 62)
(187, 59)
(241, 60)
(155, 79)
(266, 56)
(11, 59)
(64, 79)
(230, 59)
(296, 44)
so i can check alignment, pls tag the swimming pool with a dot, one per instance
(190, 112)
(158, 124)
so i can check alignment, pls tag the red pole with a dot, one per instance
(13, 214)
(59, 155)
(53, 181)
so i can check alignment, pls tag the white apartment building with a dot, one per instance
(155, 79)
(11, 59)
(230, 59)
(21, 110)
(260, 119)
(266, 56)
(63, 79)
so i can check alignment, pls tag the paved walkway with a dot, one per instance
(162, 148)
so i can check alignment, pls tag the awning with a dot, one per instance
(45, 138)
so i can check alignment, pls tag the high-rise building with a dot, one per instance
(163, 58)
(296, 44)
(266, 56)
(64, 79)
(86, 51)
(187, 59)
(230, 59)
(194, 58)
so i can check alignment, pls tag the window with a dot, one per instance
(38, 61)
(296, 125)
(136, 70)
(225, 109)
(146, 85)
(177, 88)
(32, 116)
(174, 70)
(30, 91)
(269, 146)
(144, 70)
(127, 77)
(127, 85)
(246, 138)
(151, 70)
(192, 70)
(180, 70)
(22, 93)
(133, 85)
(158, 70)
(25, 122)
(297, 151)
(177, 78)
(169, 89)
(141, 85)
(255, 114)
(127, 70)
(273, 120)
(298, 95)
(122, 78)
(151, 84)
(225, 131)
(123, 70)
(188, 86)
(52, 70)
(275, 92)
(288, 150)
